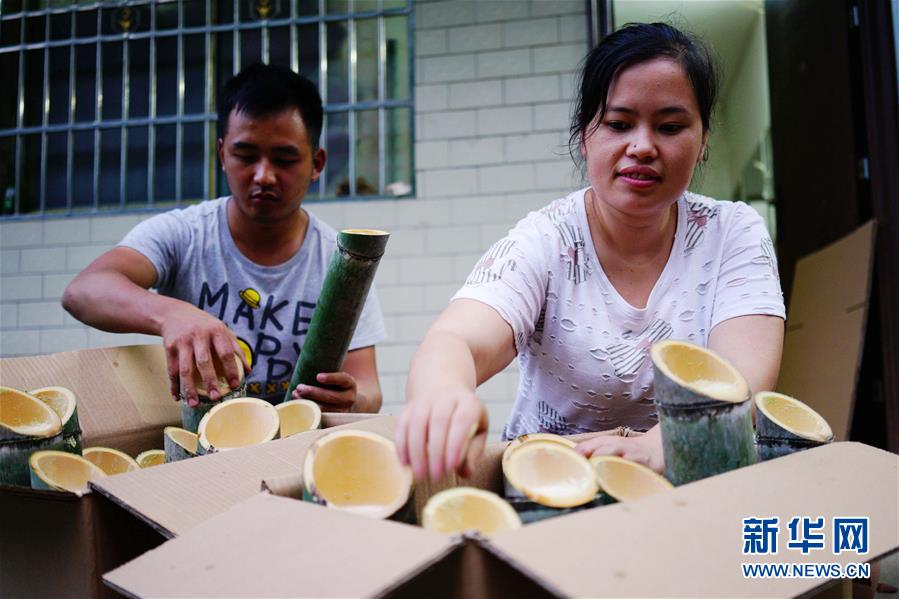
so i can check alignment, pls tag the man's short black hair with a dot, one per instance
(261, 90)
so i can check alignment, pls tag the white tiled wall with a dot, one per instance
(494, 80)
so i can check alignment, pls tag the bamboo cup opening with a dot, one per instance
(27, 415)
(64, 470)
(239, 423)
(794, 416)
(700, 370)
(360, 473)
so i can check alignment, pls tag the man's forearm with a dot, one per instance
(109, 301)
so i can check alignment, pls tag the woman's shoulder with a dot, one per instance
(724, 213)
(564, 209)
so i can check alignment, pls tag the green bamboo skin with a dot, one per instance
(347, 282)
(174, 452)
(702, 435)
(530, 511)
(774, 440)
(769, 448)
(705, 439)
(14, 468)
(191, 417)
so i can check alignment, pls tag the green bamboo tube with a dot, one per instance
(785, 425)
(704, 412)
(180, 444)
(64, 403)
(62, 471)
(349, 277)
(191, 416)
(14, 456)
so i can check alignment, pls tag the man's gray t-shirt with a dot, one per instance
(268, 307)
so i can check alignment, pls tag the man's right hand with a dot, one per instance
(195, 343)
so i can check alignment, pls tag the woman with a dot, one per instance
(581, 289)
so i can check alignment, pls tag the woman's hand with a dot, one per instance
(441, 433)
(645, 449)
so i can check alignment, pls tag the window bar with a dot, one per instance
(351, 114)
(265, 42)
(179, 110)
(208, 131)
(151, 111)
(20, 121)
(382, 94)
(323, 86)
(235, 47)
(294, 39)
(45, 119)
(70, 134)
(126, 113)
(98, 115)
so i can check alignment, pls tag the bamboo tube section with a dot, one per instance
(236, 423)
(545, 477)
(180, 444)
(64, 403)
(785, 425)
(704, 412)
(358, 472)
(459, 509)
(191, 417)
(349, 277)
(27, 425)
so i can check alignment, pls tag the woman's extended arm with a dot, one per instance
(753, 344)
(444, 425)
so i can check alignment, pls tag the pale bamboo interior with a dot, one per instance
(27, 415)
(66, 471)
(359, 473)
(240, 423)
(110, 461)
(550, 471)
(458, 510)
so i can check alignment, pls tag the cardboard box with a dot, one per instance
(825, 329)
(58, 544)
(687, 542)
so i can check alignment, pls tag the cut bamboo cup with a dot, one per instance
(704, 412)
(339, 306)
(191, 417)
(785, 425)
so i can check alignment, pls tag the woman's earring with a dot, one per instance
(705, 154)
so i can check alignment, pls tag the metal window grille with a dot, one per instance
(110, 106)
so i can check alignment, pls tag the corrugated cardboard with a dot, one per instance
(175, 498)
(57, 544)
(826, 327)
(684, 543)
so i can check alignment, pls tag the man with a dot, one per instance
(239, 274)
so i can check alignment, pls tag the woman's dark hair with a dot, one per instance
(633, 44)
(261, 90)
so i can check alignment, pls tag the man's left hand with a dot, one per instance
(342, 396)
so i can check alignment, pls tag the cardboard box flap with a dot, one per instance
(270, 546)
(472, 569)
(826, 327)
(121, 391)
(694, 534)
(175, 497)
